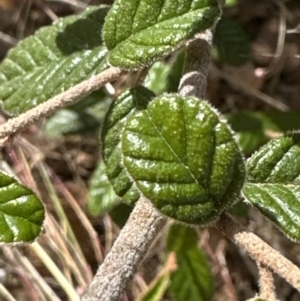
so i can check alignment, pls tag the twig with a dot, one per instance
(225, 274)
(266, 283)
(145, 221)
(259, 250)
(197, 59)
(126, 254)
(68, 97)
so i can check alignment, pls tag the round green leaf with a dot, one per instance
(21, 212)
(183, 158)
(137, 32)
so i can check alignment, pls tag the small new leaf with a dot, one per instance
(183, 158)
(21, 212)
(137, 32)
(274, 183)
(54, 59)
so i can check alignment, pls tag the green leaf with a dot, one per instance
(274, 183)
(183, 158)
(54, 59)
(21, 212)
(276, 162)
(113, 124)
(193, 279)
(102, 197)
(280, 203)
(232, 42)
(137, 32)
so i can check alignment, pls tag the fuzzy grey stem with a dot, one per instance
(126, 254)
(259, 250)
(68, 97)
(145, 221)
(197, 59)
(266, 283)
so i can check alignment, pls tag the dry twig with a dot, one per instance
(126, 254)
(260, 251)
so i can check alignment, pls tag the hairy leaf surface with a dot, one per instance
(54, 59)
(21, 212)
(183, 158)
(274, 183)
(137, 32)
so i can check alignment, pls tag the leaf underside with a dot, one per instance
(54, 59)
(21, 212)
(274, 183)
(183, 158)
(137, 32)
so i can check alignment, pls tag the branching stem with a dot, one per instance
(145, 221)
(260, 251)
(266, 283)
(197, 58)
